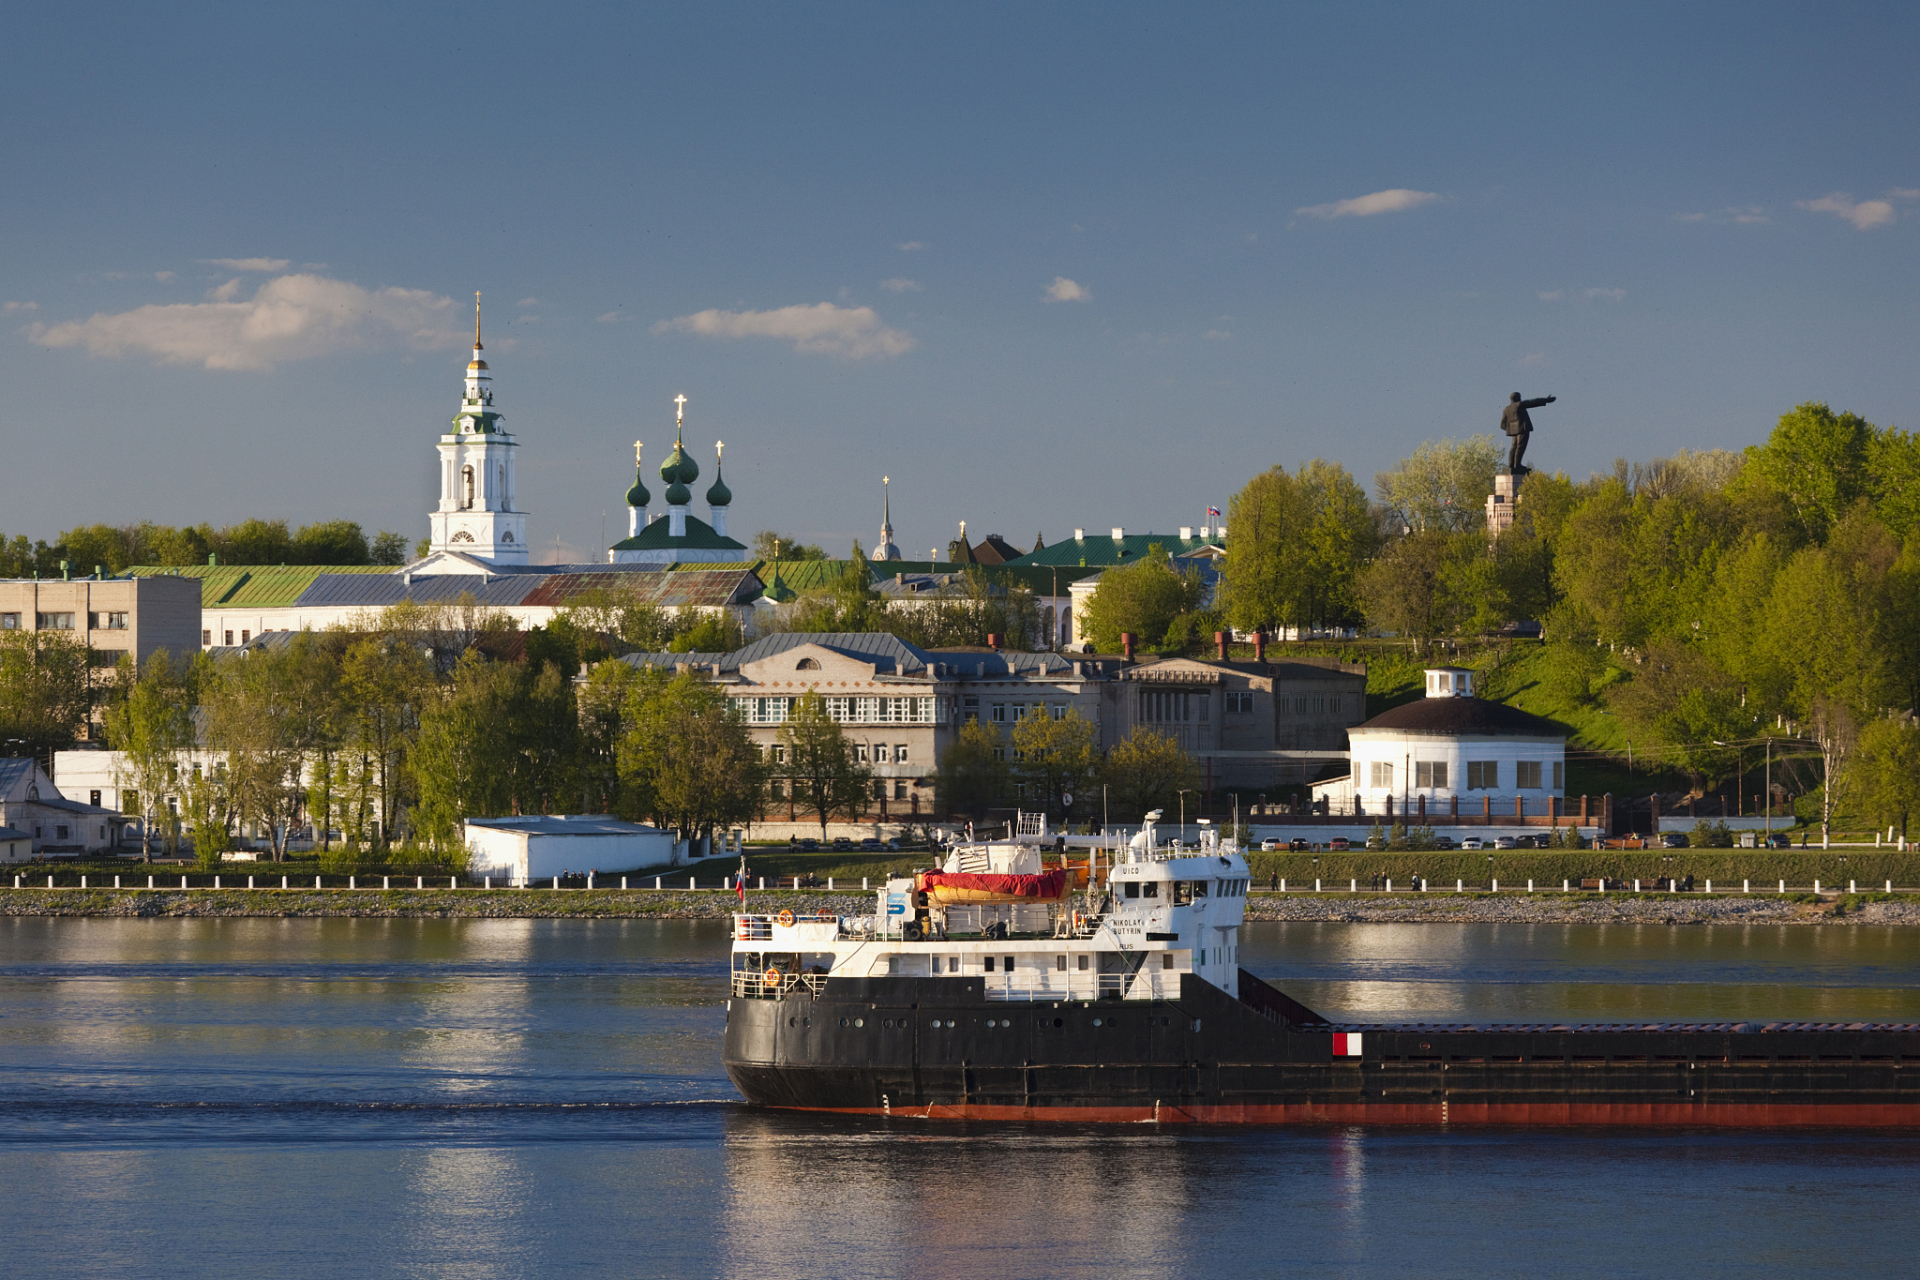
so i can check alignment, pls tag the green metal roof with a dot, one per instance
(699, 537)
(253, 586)
(1103, 550)
(1038, 579)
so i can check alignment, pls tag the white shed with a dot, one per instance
(517, 850)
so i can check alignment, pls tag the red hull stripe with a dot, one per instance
(1732, 1115)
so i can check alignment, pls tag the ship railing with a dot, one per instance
(773, 983)
(759, 928)
(1023, 985)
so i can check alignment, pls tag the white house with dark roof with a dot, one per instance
(1451, 753)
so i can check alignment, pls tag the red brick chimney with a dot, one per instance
(1220, 643)
(1126, 644)
(1259, 646)
(993, 641)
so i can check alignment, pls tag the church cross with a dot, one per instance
(680, 409)
(636, 453)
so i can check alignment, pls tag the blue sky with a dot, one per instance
(1045, 265)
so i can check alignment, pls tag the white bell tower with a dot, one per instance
(476, 515)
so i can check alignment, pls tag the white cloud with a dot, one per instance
(1864, 215)
(913, 246)
(1394, 201)
(900, 284)
(823, 328)
(1548, 295)
(12, 307)
(610, 317)
(226, 292)
(1065, 290)
(288, 318)
(249, 264)
(1611, 295)
(1748, 215)
(527, 302)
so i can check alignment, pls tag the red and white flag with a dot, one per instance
(1346, 1044)
(740, 881)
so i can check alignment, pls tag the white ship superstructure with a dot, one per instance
(1032, 917)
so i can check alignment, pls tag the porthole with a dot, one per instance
(793, 1022)
(949, 1024)
(1059, 1022)
(843, 1022)
(859, 1022)
(1096, 1021)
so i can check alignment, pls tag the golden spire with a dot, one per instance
(476, 320)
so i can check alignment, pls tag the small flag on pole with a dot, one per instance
(1213, 511)
(740, 881)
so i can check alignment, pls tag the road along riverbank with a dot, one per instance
(1397, 908)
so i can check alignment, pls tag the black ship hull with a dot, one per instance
(938, 1048)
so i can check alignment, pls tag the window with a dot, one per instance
(1300, 704)
(900, 789)
(999, 753)
(1240, 703)
(1059, 964)
(1319, 704)
(999, 713)
(774, 789)
(1019, 713)
(971, 700)
(108, 621)
(1382, 776)
(779, 754)
(105, 659)
(1526, 775)
(1133, 889)
(807, 664)
(60, 833)
(1430, 774)
(229, 640)
(987, 964)
(1151, 889)
(206, 638)
(93, 798)
(54, 621)
(1559, 775)
(1083, 964)
(1058, 710)
(899, 753)
(1483, 775)
(1009, 963)
(1166, 959)
(9, 622)
(245, 635)
(860, 752)
(466, 484)
(1333, 705)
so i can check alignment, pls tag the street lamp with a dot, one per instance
(1183, 810)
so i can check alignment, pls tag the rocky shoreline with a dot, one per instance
(615, 904)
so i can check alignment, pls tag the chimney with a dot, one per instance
(1220, 643)
(993, 641)
(1079, 535)
(1126, 644)
(1186, 533)
(1119, 533)
(1259, 646)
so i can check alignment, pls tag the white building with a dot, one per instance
(1459, 754)
(536, 847)
(678, 536)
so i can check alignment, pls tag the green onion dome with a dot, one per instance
(638, 495)
(679, 470)
(719, 495)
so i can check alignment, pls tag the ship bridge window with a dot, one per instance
(1083, 964)
(988, 966)
(1166, 959)
(1182, 892)
(1133, 888)
(1152, 889)
(1059, 964)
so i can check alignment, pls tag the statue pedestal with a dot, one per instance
(1500, 503)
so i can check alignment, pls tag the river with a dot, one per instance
(506, 1098)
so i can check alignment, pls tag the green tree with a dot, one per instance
(1410, 588)
(685, 752)
(1142, 599)
(272, 712)
(1889, 766)
(706, 631)
(384, 683)
(1680, 702)
(330, 542)
(255, 542)
(1297, 545)
(1054, 759)
(151, 729)
(768, 545)
(820, 763)
(388, 548)
(973, 775)
(1148, 770)
(45, 693)
(1816, 460)
(1442, 485)
(463, 756)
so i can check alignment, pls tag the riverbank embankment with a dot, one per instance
(616, 904)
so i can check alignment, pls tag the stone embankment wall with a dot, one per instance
(1400, 908)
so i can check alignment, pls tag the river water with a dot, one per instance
(505, 1098)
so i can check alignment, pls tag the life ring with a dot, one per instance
(746, 931)
(771, 978)
(786, 919)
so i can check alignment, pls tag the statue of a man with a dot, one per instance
(1515, 422)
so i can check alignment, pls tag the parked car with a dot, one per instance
(1268, 846)
(1299, 844)
(1376, 842)
(809, 845)
(1473, 842)
(1779, 840)
(1674, 840)
(1504, 842)
(1443, 842)
(841, 844)
(1340, 844)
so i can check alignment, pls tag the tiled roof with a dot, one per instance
(255, 586)
(801, 576)
(733, 584)
(888, 652)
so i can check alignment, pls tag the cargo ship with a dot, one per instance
(1018, 982)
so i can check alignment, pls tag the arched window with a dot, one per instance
(806, 664)
(466, 483)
